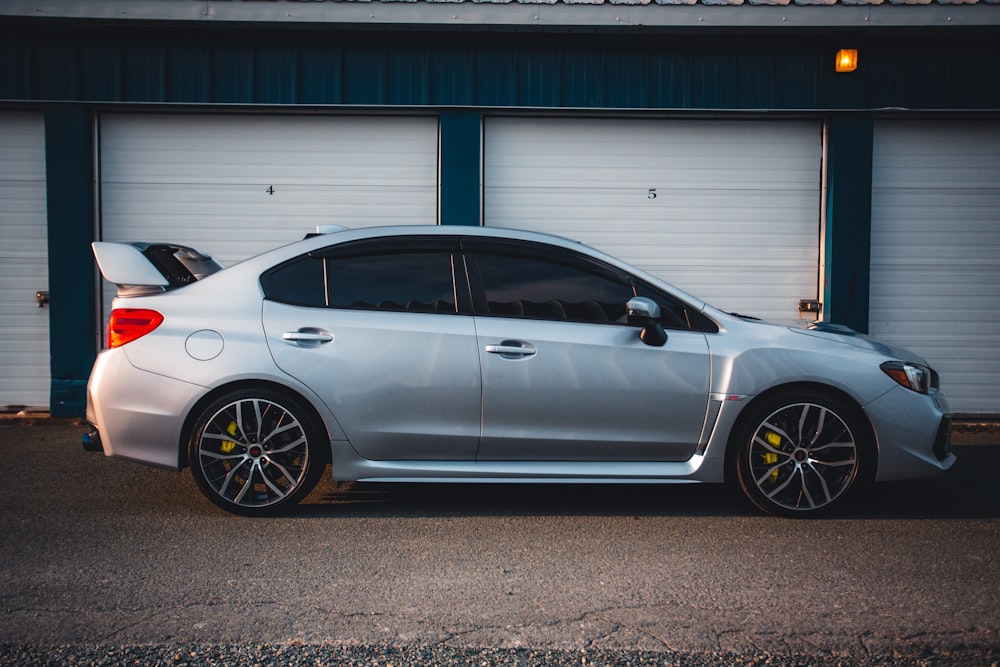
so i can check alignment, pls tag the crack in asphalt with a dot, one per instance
(594, 630)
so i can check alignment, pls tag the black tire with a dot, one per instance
(800, 454)
(256, 452)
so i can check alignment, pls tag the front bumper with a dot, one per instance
(914, 435)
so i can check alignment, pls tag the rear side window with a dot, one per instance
(413, 282)
(395, 281)
(299, 282)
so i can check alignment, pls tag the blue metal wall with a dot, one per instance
(732, 72)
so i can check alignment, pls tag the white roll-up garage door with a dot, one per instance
(236, 185)
(24, 355)
(727, 210)
(935, 283)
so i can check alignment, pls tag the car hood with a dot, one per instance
(839, 333)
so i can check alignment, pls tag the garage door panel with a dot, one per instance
(726, 210)
(687, 155)
(220, 174)
(935, 284)
(271, 150)
(261, 219)
(24, 356)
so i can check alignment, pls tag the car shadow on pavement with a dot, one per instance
(966, 491)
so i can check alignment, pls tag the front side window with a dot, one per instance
(535, 288)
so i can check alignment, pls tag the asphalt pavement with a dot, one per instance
(112, 563)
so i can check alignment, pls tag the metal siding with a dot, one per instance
(277, 75)
(15, 70)
(582, 79)
(755, 75)
(795, 84)
(971, 80)
(848, 221)
(233, 75)
(189, 74)
(538, 79)
(145, 73)
(24, 355)
(452, 78)
(711, 76)
(54, 75)
(365, 76)
(625, 80)
(101, 72)
(461, 167)
(408, 79)
(669, 85)
(935, 284)
(735, 219)
(676, 71)
(844, 91)
(885, 78)
(69, 162)
(321, 76)
(496, 81)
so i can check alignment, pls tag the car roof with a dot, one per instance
(316, 242)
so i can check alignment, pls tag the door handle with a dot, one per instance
(511, 349)
(307, 337)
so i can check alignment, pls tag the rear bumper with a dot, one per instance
(137, 415)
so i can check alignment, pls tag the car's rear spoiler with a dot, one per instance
(144, 268)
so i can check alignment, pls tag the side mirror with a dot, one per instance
(645, 313)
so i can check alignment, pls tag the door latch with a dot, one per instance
(42, 297)
(810, 306)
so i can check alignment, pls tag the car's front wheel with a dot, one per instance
(256, 452)
(800, 454)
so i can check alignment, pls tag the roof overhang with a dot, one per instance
(515, 14)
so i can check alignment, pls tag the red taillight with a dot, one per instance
(127, 324)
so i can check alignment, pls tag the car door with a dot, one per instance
(565, 378)
(387, 344)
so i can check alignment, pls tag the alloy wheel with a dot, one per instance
(802, 457)
(252, 453)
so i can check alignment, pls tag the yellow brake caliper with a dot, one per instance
(770, 458)
(228, 445)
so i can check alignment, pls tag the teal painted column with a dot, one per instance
(70, 200)
(848, 221)
(461, 167)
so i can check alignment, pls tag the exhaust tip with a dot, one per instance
(92, 442)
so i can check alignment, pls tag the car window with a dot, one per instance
(411, 282)
(299, 282)
(538, 288)
(535, 288)
(676, 314)
(395, 281)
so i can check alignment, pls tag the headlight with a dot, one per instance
(912, 376)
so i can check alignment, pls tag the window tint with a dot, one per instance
(535, 288)
(675, 314)
(299, 282)
(416, 282)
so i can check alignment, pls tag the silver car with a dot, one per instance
(445, 354)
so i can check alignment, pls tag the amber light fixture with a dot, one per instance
(847, 60)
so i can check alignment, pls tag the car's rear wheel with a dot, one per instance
(800, 454)
(256, 452)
